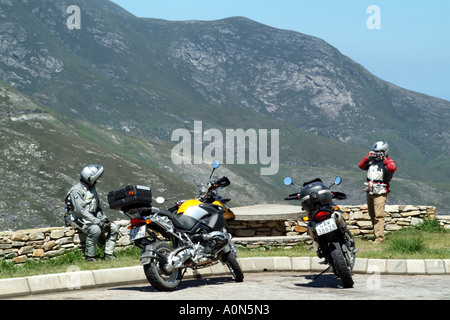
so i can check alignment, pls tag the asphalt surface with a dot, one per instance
(274, 286)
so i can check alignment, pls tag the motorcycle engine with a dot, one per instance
(209, 245)
(216, 240)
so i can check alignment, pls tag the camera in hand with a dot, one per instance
(378, 156)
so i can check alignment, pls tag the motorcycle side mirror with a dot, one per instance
(337, 180)
(288, 181)
(216, 164)
(160, 200)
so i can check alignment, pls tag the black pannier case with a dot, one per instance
(130, 197)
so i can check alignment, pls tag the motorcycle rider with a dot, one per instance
(88, 216)
(380, 169)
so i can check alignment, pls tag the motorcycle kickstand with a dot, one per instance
(317, 277)
(182, 275)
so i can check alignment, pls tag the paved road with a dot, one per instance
(276, 286)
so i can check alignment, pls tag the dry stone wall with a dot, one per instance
(288, 233)
(20, 246)
(357, 218)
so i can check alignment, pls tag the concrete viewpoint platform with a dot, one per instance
(75, 280)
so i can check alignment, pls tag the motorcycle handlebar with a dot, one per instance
(221, 183)
(338, 195)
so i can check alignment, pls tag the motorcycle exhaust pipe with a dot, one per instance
(312, 231)
(339, 220)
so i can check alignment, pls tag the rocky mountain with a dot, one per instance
(122, 78)
(42, 153)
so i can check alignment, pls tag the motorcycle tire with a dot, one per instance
(349, 249)
(159, 278)
(233, 265)
(339, 264)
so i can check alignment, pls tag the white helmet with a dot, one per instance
(91, 174)
(381, 146)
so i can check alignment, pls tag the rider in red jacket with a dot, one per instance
(380, 169)
(390, 166)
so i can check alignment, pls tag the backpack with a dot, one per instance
(68, 218)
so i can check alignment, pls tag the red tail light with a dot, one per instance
(135, 222)
(321, 215)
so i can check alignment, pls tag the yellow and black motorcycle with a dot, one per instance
(209, 192)
(191, 234)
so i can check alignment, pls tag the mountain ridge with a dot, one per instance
(139, 79)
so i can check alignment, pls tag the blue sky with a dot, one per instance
(410, 49)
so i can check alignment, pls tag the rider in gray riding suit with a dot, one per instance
(88, 216)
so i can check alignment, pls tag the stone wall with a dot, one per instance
(20, 246)
(357, 218)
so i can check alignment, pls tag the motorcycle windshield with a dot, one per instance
(201, 183)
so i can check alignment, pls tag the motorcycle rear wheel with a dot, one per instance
(155, 273)
(340, 266)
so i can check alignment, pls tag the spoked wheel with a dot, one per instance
(157, 275)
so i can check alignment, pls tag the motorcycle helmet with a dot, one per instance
(91, 174)
(381, 146)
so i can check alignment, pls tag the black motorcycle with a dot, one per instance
(327, 227)
(192, 234)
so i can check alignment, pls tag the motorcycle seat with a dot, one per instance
(166, 213)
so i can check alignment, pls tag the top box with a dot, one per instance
(130, 197)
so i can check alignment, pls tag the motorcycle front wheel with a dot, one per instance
(157, 275)
(233, 265)
(340, 266)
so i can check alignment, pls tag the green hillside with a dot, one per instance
(114, 91)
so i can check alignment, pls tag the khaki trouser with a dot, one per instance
(375, 204)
